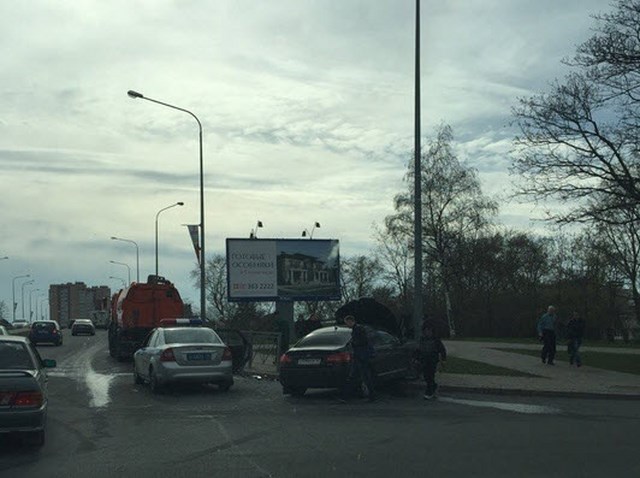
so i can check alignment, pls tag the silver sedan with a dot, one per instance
(183, 354)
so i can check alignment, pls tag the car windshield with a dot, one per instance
(49, 326)
(191, 336)
(14, 356)
(338, 338)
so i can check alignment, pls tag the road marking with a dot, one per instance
(510, 407)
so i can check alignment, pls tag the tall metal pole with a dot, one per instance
(31, 304)
(128, 269)
(157, 215)
(203, 304)
(417, 191)
(137, 255)
(22, 295)
(14, 304)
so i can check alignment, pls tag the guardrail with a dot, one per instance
(265, 351)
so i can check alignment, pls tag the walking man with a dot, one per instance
(431, 352)
(547, 333)
(361, 371)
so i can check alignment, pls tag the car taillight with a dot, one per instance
(226, 355)
(167, 356)
(340, 357)
(284, 359)
(55, 332)
(27, 399)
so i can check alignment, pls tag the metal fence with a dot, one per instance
(265, 351)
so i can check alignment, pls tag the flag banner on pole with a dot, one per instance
(194, 229)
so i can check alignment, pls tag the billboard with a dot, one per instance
(283, 269)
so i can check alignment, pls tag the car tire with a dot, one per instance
(154, 384)
(225, 386)
(137, 379)
(73, 333)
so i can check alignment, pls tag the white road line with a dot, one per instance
(509, 407)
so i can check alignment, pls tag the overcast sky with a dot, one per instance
(306, 107)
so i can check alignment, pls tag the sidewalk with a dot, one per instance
(559, 380)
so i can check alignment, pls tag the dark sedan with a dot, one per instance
(322, 359)
(23, 389)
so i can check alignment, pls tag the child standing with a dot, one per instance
(431, 352)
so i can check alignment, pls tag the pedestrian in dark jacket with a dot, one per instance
(546, 328)
(431, 351)
(361, 371)
(575, 333)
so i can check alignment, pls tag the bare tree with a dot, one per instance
(359, 276)
(453, 207)
(580, 140)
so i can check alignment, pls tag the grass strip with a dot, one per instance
(472, 367)
(625, 363)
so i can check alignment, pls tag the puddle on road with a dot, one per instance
(98, 385)
(509, 407)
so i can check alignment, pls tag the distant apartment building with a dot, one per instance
(76, 301)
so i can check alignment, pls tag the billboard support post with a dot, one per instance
(284, 309)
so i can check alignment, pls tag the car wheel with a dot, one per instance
(225, 386)
(137, 379)
(154, 384)
(58, 343)
(73, 333)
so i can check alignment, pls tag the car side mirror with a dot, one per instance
(49, 363)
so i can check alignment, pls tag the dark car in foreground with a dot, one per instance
(45, 331)
(173, 353)
(322, 359)
(23, 389)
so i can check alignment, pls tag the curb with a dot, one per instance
(538, 393)
(490, 390)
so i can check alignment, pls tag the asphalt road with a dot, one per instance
(101, 424)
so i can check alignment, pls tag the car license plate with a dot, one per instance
(198, 357)
(311, 361)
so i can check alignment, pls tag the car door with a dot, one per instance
(382, 354)
(142, 356)
(392, 353)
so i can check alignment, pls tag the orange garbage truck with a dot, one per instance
(138, 309)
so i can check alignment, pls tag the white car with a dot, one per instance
(83, 326)
(183, 354)
(20, 324)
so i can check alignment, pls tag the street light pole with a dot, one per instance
(14, 294)
(31, 304)
(42, 301)
(137, 255)
(128, 269)
(22, 295)
(120, 279)
(306, 233)
(203, 305)
(417, 192)
(180, 203)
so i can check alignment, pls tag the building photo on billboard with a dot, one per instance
(283, 269)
